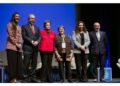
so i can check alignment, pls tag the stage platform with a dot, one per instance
(115, 80)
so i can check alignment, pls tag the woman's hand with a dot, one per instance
(18, 45)
(59, 58)
(69, 59)
(82, 48)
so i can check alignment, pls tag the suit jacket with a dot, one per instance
(58, 45)
(77, 42)
(98, 47)
(28, 36)
(14, 38)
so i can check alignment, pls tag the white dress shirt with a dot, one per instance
(98, 35)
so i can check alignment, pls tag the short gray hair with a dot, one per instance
(31, 15)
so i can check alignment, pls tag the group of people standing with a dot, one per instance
(29, 40)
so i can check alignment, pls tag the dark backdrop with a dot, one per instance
(109, 17)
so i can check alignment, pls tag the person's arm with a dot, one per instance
(11, 34)
(71, 54)
(38, 37)
(57, 54)
(105, 39)
(69, 58)
(24, 35)
(87, 43)
(75, 40)
(55, 48)
(20, 40)
(38, 40)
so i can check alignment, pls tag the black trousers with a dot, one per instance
(98, 60)
(46, 73)
(14, 59)
(67, 66)
(81, 65)
(30, 60)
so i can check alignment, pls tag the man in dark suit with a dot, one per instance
(98, 49)
(30, 33)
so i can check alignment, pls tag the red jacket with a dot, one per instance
(47, 41)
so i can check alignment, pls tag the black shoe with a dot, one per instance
(25, 76)
(26, 80)
(102, 80)
(18, 81)
(35, 80)
(80, 80)
(49, 81)
(70, 80)
(85, 80)
(62, 80)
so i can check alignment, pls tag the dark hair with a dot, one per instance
(13, 23)
(13, 16)
(45, 22)
(60, 27)
(77, 29)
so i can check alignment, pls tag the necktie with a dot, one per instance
(32, 28)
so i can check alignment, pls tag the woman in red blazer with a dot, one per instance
(46, 48)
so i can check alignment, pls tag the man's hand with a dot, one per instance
(35, 43)
(32, 42)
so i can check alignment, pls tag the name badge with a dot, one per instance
(63, 45)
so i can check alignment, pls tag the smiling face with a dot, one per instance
(16, 18)
(31, 19)
(61, 30)
(80, 26)
(47, 26)
(96, 26)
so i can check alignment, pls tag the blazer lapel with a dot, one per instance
(95, 36)
(35, 28)
(100, 35)
(29, 29)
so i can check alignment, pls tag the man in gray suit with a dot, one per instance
(98, 49)
(30, 33)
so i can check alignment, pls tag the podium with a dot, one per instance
(107, 74)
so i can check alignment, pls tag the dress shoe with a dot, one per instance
(35, 80)
(69, 80)
(62, 80)
(101, 80)
(13, 81)
(85, 80)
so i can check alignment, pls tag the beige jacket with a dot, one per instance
(14, 38)
(77, 42)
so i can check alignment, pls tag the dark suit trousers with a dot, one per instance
(81, 65)
(46, 58)
(65, 65)
(98, 60)
(30, 59)
(14, 64)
